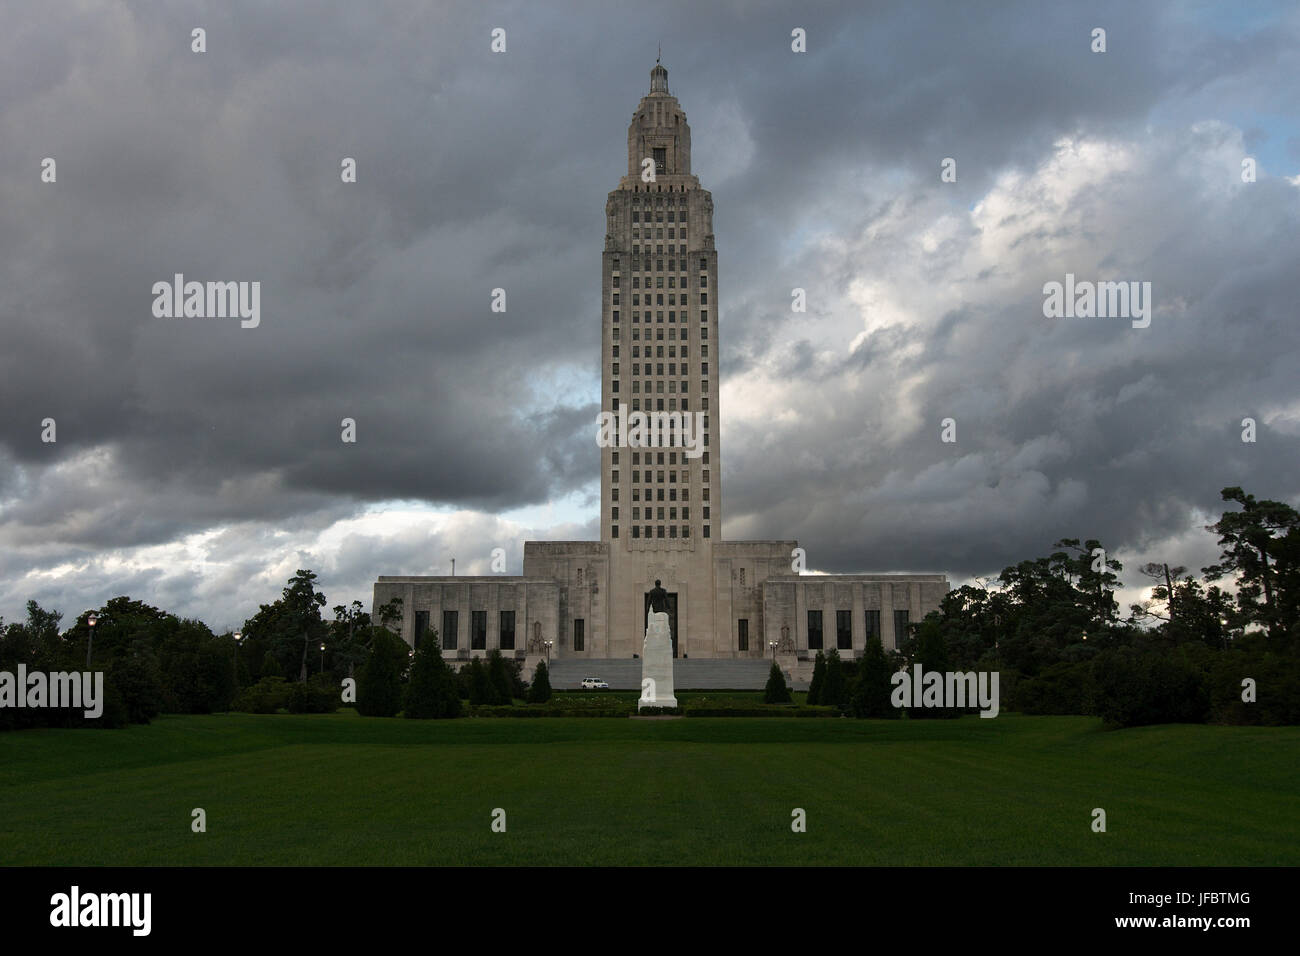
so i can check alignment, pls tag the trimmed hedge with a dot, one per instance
(557, 710)
(543, 710)
(777, 710)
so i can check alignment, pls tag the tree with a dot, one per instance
(1261, 546)
(270, 666)
(929, 651)
(834, 689)
(871, 688)
(776, 691)
(390, 613)
(818, 678)
(289, 626)
(540, 691)
(379, 687)
(303, 603)
(499, 675)
(432, 690)
(481, 688)
(349, 638)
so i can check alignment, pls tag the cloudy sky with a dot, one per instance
(198, 464)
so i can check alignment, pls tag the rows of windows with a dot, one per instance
(477, 630)
(636, 475)
(844, 629)
(674, 215)
(661, 531)
(506, 620)
(659, 350)
(656, 316)
(657, 405)
(672, 513)
(672, 495)
(646, 317)
(659, 333)
(672, 382)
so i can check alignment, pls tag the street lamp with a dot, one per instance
(92, 620)
(322, 657)
(239, 636)
(773, 645)
(548, 651)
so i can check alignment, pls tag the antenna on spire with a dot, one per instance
(660, 54)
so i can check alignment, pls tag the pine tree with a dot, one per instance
(818, 679)
(540, 691)
(776, 691)
(481, 690)
(432, 690)
(869, 696)
(834, 687)
(499, 675)
(379, 686)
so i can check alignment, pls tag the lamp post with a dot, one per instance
(239, 636)
(548, 652)
(92, 620)
(773, 645)
(322, 657)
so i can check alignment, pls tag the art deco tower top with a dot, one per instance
(659, 131)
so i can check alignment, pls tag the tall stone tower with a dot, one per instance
(661, 506)
(660, 509)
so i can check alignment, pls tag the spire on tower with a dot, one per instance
(659, 77)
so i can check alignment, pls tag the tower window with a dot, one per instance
(661, 159)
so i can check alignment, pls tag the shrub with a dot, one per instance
(1062, 688)
(271, 666)
(869, 696)
(433, 691)
(540, 691)
(379, 686)
(776, 691)
(137, 679)
(1277, 687)
(481, 688)
(818, 679)
(265, 697)
(1132, 688)
(319, 695)
(499, 677)
(834, 689)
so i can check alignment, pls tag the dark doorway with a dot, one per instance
(672, 616)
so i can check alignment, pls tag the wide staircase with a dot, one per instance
(625, 674)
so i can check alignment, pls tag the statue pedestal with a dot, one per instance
(657, 664)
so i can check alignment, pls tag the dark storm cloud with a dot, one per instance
(479, 171)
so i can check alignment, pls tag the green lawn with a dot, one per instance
(341, 789)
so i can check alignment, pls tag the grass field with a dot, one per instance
(341, 789)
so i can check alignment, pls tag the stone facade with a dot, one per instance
(661, 508)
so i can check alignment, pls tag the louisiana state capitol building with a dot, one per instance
(662, 507)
